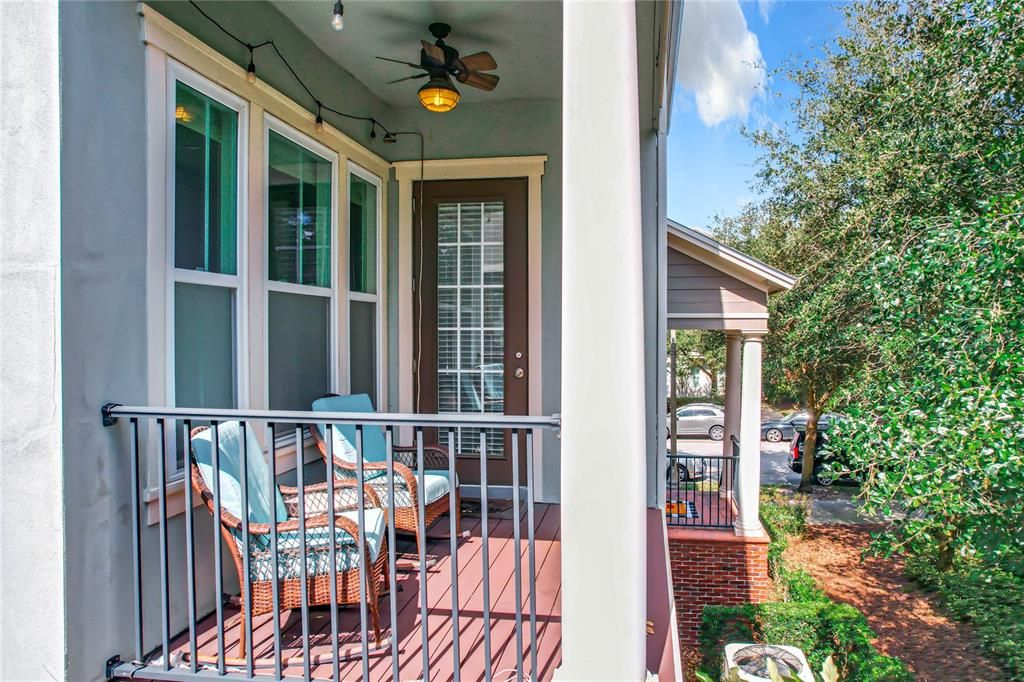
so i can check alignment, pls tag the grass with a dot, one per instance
(989, 598)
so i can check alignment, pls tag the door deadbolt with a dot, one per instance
(519, 373)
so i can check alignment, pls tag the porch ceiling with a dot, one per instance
(525, 38)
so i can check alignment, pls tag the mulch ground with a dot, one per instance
(910, 625)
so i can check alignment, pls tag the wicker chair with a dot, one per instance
(435, 460)
(276, 508)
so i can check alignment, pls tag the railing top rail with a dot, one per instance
(111, 412)
(688, 455)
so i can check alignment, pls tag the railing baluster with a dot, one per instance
(274, 568)
(517, 538)
(484, 555)
(364, 570)
(165, 615)
(389, 436)
(421, 544)
(246, 577)
(329, 460)
(531, 553)
(136, 536)
(300, 484)
(218, 560)
(454, 531)
(190, 549)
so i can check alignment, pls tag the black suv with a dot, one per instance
(823, 455)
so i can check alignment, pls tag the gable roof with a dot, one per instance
(727, 259)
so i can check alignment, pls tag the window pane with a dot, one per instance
(299, 350)
(362, 225)
(204, 343)
(363, 353)
(205, 183)
(298, 214)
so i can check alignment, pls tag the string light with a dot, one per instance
(338, 18)
(250, 74)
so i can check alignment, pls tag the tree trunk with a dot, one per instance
(810, 442)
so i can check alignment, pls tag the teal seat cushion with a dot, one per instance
(344, 435)
(435, 486)
(318, 541)
(265, 502)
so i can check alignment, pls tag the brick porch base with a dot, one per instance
(715, 567)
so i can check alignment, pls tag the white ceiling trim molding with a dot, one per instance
(460, 169)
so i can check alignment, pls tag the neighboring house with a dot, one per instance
(192, 232)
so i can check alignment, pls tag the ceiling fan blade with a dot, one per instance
(401, 61)
(482, 81)
(433, 52)
(479, 61)
(408, 78)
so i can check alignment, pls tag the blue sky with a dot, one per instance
(719, 88)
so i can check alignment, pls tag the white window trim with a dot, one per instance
(177, 72)
(270, 123)
(375, 298)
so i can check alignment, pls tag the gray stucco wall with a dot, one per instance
(103, 197)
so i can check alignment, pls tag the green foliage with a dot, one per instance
(941, 434)
(798, 585)
(820, 630)
(783, 516)
(989, 598)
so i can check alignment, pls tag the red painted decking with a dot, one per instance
(471, 643)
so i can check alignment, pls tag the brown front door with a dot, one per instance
(470, 303)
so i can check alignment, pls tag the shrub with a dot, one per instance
(798, 585)
(990, 598)
(819, 629)
(783, 515)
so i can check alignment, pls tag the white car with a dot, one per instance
(700, 419)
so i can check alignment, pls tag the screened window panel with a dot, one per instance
(298, 214)
(205, 183)
(204, 350)
(299, 350)
(470, 316)
(362, 219)
(363, 348)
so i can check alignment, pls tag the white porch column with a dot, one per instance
(603, 447)
(749, 486)
(32, 616)
(732, 402)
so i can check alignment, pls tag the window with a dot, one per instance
(363, 322)
(300, 283)
(204, 286)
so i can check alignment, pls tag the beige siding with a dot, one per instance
(695, 288)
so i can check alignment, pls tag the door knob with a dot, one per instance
(519, 373)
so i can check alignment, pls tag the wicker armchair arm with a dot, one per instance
(346, 497)
(434, 456)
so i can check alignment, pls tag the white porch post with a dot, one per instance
(732, 402)
(749, 486)
(32, 615)
(603, 446)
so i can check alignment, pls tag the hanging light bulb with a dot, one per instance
(250, 71)
(319, 123)
(338, 18)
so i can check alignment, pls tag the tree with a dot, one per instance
(906, 144)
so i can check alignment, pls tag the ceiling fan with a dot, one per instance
(440, 62)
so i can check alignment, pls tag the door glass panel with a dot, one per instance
(205, 183)
(470, 319)
(298, 214)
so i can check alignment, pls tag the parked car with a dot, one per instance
(700, 419)
(829, 463)
(778, 430)
(684, 467)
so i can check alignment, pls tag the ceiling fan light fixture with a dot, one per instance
(439, 95)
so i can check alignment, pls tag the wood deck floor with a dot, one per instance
(502, 557)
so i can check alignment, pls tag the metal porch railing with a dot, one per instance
(152, 591)
(699, 489)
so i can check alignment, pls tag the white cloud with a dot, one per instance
(764, 8)
(720, 60)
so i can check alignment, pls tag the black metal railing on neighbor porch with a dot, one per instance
(327, 552)
(699, 489)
